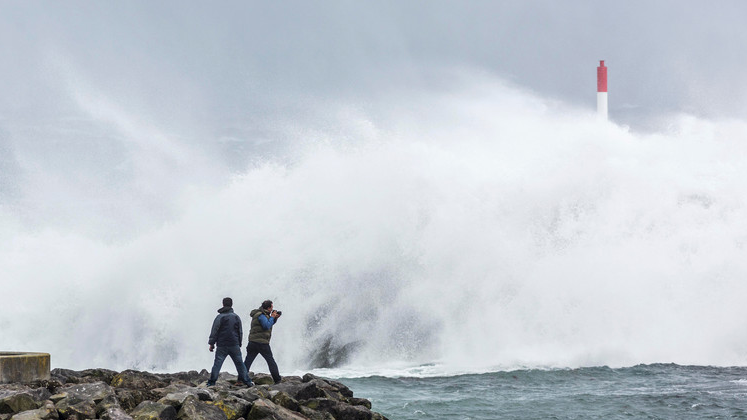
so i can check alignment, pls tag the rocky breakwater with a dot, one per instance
(133, 395)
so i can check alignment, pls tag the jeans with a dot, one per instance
(220, 356)
(253, 349)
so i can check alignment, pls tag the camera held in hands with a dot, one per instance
(279, 312)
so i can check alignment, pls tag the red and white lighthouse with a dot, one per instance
(602, 90)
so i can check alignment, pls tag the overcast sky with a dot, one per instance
(180, 57)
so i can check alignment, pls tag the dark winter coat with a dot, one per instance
(226, 331)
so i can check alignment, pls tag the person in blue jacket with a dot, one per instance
(263, 318)
(227, 334)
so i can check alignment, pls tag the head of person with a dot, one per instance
(267, 305)
(227, 302)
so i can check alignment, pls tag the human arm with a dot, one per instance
(214, 332)
(241, 332)
(267, 322)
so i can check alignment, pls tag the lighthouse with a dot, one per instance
(602, 90)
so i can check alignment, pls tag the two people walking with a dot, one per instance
(227, 334)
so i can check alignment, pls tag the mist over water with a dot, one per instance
(468, 229)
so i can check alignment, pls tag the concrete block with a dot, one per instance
(23, 367)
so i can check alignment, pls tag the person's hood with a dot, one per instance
(225, 310)
(256, 311)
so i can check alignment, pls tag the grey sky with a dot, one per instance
(663, 55)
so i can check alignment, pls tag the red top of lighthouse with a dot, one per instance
(601, 77)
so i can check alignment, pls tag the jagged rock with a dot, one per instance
(262, 379)
(115, 413)
(360, 401)
(173, 388)
(319, 404)
(335, 385)
(176, 399)
(265, 409)
(291, 379)
(93, 391)
(203, 395)
(302, 391)
(245, 394)
(57, 397)
(46, 412)
(79, 410)
(72, 395)
(284, 399)
(233, 407)
(131, 398)
(96, 375)
(65, 375)
(315, 415)
(16, 401)
(194, 409)
(149, 410)
(351, 412)
(134, 379)
(81, 400)
(192, 378)
(109, 402)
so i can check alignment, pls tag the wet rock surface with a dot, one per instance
(134, 395)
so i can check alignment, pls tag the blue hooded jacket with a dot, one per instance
(226, 331)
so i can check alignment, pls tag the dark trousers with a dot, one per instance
(220, 355)
(253, 349)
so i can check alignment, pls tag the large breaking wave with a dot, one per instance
(476, 229)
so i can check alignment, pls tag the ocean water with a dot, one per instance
(657, 391)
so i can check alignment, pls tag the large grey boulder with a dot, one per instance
(233, 407)
(340, 410)
(109, 402)
(261, 378)
(131, 398)
(79, 410)
(91, 391)
(266, 409)
(194, 409)
(134, 379)
(191, 378)
(115, 413)
(329, 383)
(284, 399)
(315, 415)
(16, 401)
(81, 400)
(150, 410)
(176, 399)
(45, 412)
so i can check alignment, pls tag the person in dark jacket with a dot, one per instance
(263, 319)
(227, 334)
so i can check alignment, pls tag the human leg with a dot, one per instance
(251, 352)
(266, 352)
(220, 356)
(235, 353)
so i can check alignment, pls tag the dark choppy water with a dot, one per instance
(660, 391)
